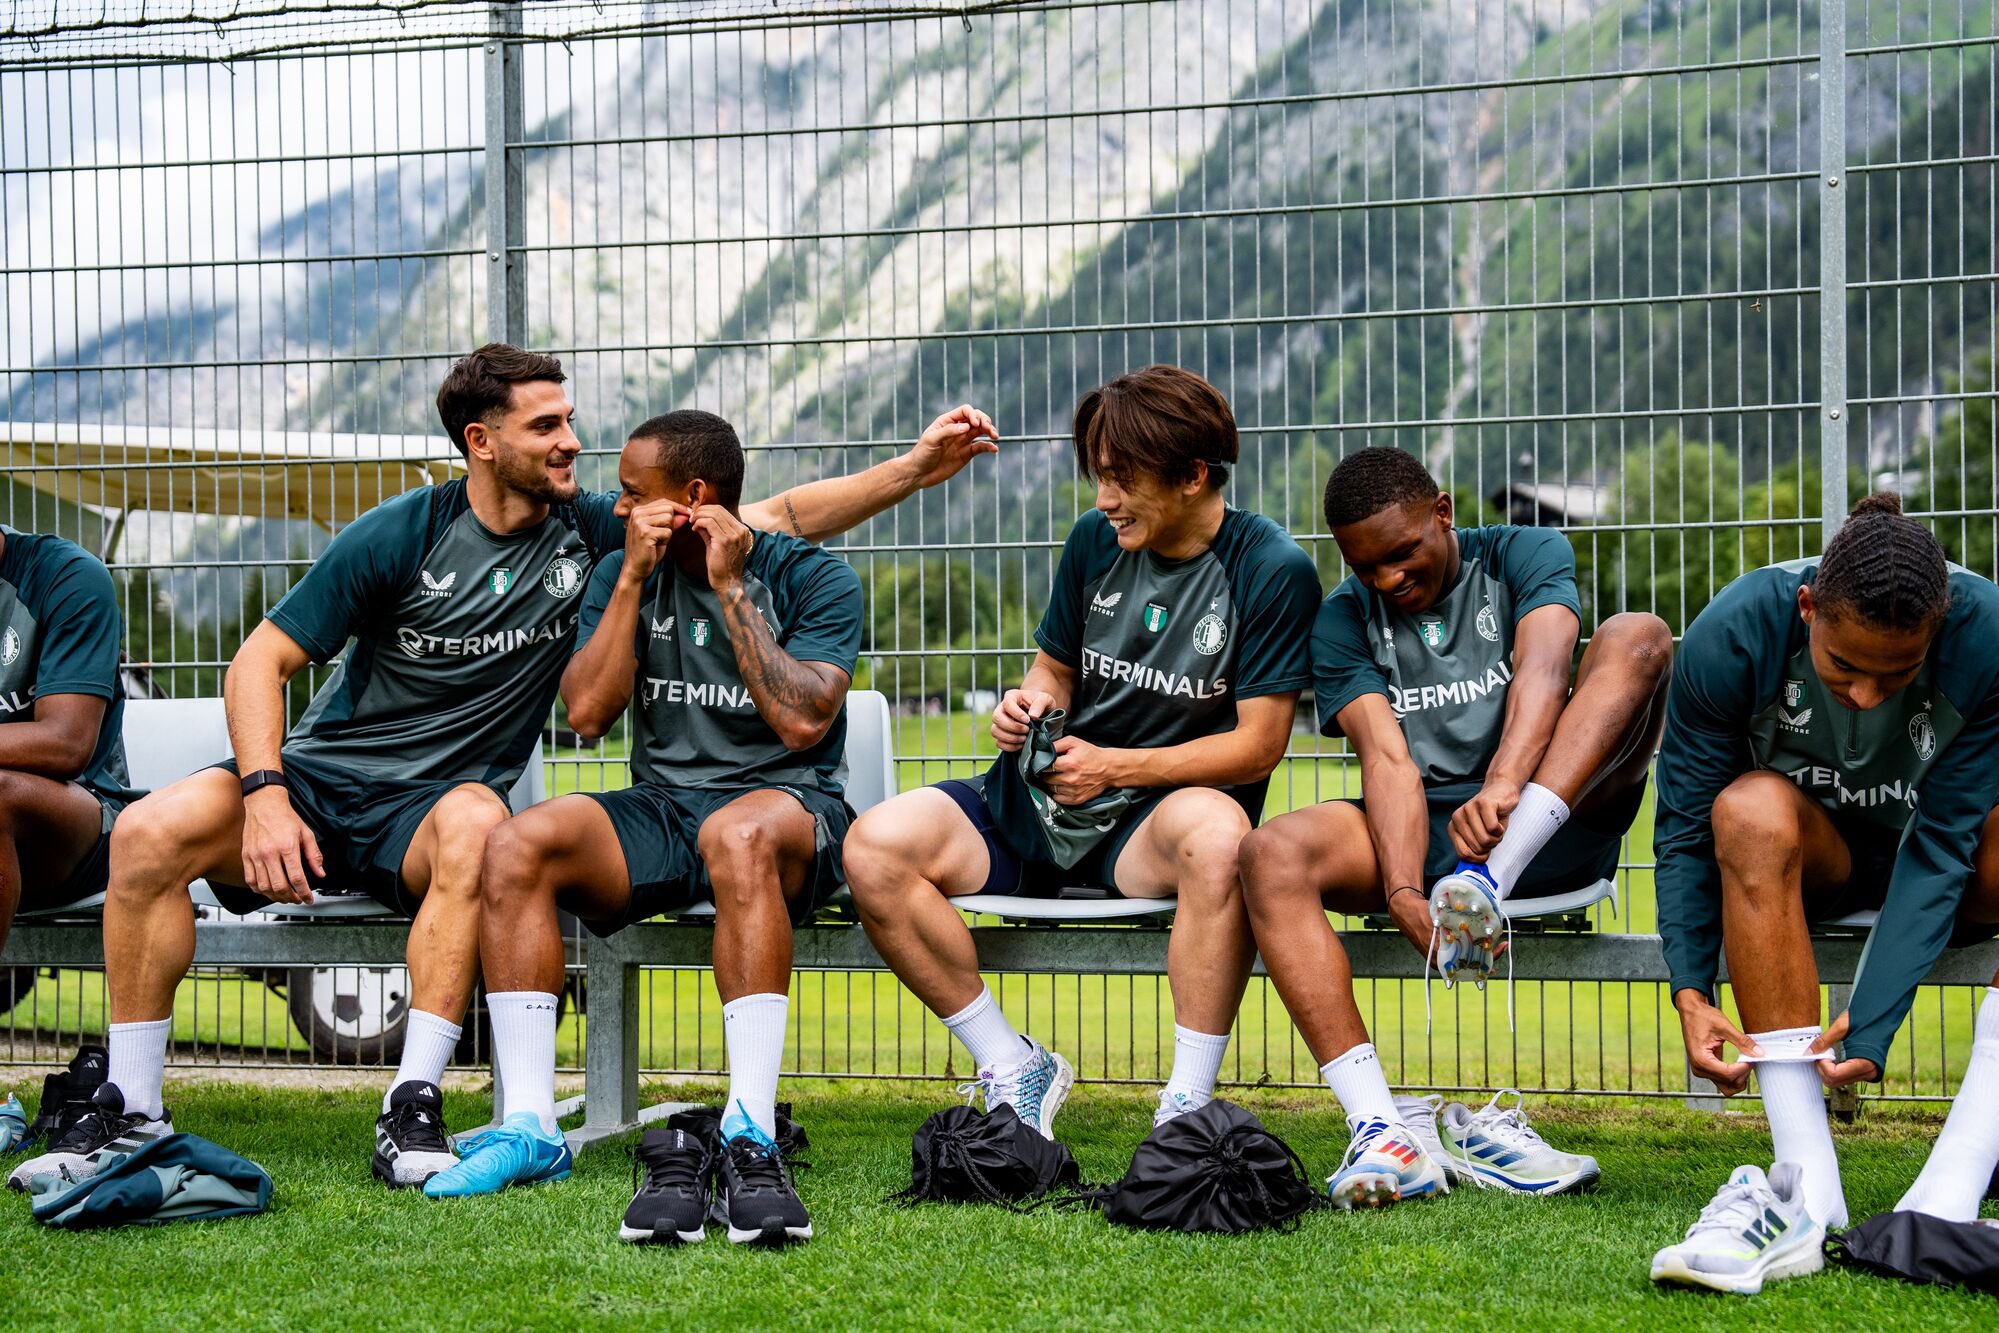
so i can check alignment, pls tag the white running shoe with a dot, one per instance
(1756, 1229)
(1495, 1147)
(1173, 1105)
(1384, 1164)
(1035, 1087)
(1419, 1117)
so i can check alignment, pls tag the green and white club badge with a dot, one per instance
(500, 580)
(1432, 630)
(699, 631)
(1155, 617)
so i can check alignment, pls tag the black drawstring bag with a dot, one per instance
(962, 1155)
(1919, 1248)
(1215, 1169)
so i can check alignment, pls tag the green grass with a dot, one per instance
(338, 1250)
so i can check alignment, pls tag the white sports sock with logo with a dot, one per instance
(137, 1064)
(1356, 1079)
(1960, 1166)
(753, 1030)
(1794, 1100)
(524, 1052)
(427, 1047)
(1536, 819)
(987, 1035)
(1197, 1063)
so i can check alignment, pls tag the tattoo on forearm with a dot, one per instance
(792, 514)
(781, 685)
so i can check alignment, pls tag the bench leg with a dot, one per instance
(1701, 1094)
(1842, 1103)
(611, 1050)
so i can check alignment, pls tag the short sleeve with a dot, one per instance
(597, 596)
(367, 563)
(1278, 591)
(80, 631)
(1060, 633)
(1342, 667)
(823, 618)
(1539, 566)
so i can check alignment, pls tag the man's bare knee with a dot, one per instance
(742, 857)
(876, 857)
(511, 866)
(150, 849)
(1639, 639)
(1206, 854)
(1756, 827)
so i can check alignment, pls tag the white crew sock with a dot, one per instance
(524, 1052)
(1794, 1099)
(138, 1063)
(1356, 1079)
(753, 1029)
(987, 1035)
(1197, 1063)
(1533, 821)
(427, 1048)
(1960, 1166)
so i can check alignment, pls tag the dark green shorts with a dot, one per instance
(1583, 851)
(364, 825)
(659, 831)
(91, 874)
(1874, 850)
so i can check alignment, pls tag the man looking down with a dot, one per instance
(461, 603)
(1172, 653)
(733, 650)
(1444, 659)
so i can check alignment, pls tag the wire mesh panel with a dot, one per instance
(1577, 255)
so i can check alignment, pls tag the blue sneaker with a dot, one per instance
(1466, 903)
(1035, 1087)
(13, 1124)
(519, 1152)
(756, 1201)
(1385, 1163)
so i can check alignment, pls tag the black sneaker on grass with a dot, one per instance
(756, 1200)
(411, 1144)
(671, 1205)
(66, 1096)
(102, 1132)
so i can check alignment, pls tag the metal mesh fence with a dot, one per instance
(1620, 268)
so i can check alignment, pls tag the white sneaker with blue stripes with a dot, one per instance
(1495, 1148)
(1755, 1230)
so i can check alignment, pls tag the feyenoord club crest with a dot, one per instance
(1210, 633)
(1155, 617)
(562, 577)
(1488, 624)
(10, 646)
(500, 580)
(698, 631)
(1794, 690)
(1432, 630)
(1923, 736)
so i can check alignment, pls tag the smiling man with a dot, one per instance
(1444, 658)
(1171, 654)
(461, 602)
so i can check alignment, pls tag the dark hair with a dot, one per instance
(697, 445)
(1157, 422)
(1370, 480)
(483, 383)
(1884, 568)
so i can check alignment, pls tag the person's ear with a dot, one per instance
(478, 440)
(1805, 608)
(697, 493)
(1445, 509)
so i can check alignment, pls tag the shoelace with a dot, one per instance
(417, 1130)
(758, 1168)
(1363, 1140)
(1022, 1088)
(1740, 1203)
(1504, 1125)
(669, 1168)
(92, 1130)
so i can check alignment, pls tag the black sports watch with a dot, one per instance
(264, 777)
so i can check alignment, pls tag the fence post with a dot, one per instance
(506, 208)
(1833, 189)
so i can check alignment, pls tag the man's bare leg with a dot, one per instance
(1187, 846)
(905, 860)
(47, 828)
(758, 850)
(1773, 845)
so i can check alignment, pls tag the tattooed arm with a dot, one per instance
(799, 700)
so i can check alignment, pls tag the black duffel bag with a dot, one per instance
(963, 1155)
(1919, 1248)
(1215, 1169)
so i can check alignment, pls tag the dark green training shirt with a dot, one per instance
(1444, 671)
(460, 635)
(59, 634)
(1744, 697)
(694, 723)
(1162, 649)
